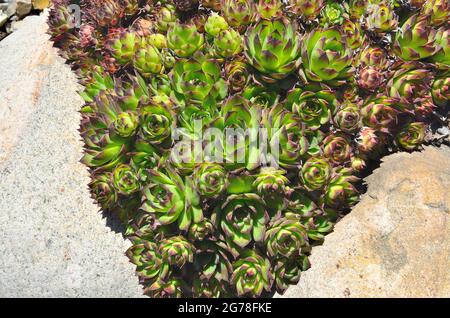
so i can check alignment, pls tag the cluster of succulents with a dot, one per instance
(337, 84)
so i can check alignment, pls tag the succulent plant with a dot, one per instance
(332, 14)
(229, 135)
(198, 79)
(148, 60)
(285, 237)
(228, 43)
(269, 9)
(215, 24)
(210, 179)
(238, 13)
(442, 55)
(411, 85)
(412, 136)
(327, 56)
(348, 117)
(441, 91)
(314, 104)
(184, 39)
(273, 48)
(354, 34)
(341, 190)
(380, 113)
(416, 39)
(251, 275)
(242, 218)
(380, 17)
(438, 10)
(309, 9)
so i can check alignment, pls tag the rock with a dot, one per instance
(3, 18)
(19, 7)
(54, 242)
(396, 241)
(11, 10)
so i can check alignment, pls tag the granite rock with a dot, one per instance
(396, 241)
(54, 242)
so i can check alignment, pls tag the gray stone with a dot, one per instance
(19, 7)
(54, 242)
(12, 7)
(396, 241)
(3, 18)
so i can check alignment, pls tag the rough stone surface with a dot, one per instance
(53, 240)
(3, 18)
(396, 241)
(20, 7)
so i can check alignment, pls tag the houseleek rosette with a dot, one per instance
(348, 117)
(242, 218)
(213, 262)
(237, 74)
(416, 39)
(273, 48)
(123, 46)
(156, 123)
(286, 133)
(442, 56)
(239, 122)
(201, 230)
(411, 84)
(184, 39)
(215, 24)
(269, 9)
(315, 173)
(380, 113)
(332, 14)
(198, 79)
(354, 34)
(412, 136)
(367, 140)
(148, 259)
(125, 180)
(314, 104)
(337, 148)
(287, 271)
(148, 61)
(210, 179)
(438, 10)
(251, 274)
(341, 190)
(327, 57)
(171, 199)
(381, 18)
(308, 9)
(103, 190)
(238, 13)
(177, 251)
(169, 287)
(271, 180)
(228, 43)
(126, 124)
(441, 91)
(285, 237)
